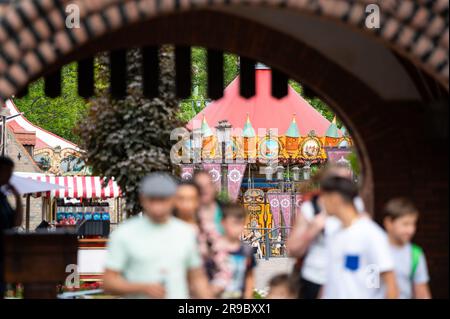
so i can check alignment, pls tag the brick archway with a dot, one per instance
(33, 33)
(400, 156)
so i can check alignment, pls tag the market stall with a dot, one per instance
(79, 198)
(86, 205)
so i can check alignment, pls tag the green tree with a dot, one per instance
(58, 115)
(126, 139)
(315, 102)
(61, 115)
(354, 162)
(190, 107)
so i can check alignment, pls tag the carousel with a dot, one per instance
(263, 151)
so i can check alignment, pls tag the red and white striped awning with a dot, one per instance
(80, 187)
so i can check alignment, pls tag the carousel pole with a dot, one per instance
(295, 178)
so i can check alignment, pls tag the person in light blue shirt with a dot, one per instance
(155, 255)
(411, 271)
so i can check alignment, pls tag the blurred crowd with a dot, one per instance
(342, 253)
(187, 244)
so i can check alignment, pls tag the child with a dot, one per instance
(234, 260)
(359, 261)
(410, 265)
(282, 286)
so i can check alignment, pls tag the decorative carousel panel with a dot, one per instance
(43, 159)
(331, 141)
(238, 147)
(258, 216)
(255, 207)
(267, 217)
(311, 148)
(291, 146)
(269, 149)
(60, 161)
(254, 196)
(209, 148)
(250, 149)
(336, 154)
(345, 142)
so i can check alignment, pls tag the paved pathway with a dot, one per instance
(266, 269)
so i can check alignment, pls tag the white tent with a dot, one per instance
(26, 185)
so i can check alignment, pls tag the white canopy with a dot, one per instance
(25, 185)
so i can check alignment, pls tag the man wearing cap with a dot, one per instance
(156, 255)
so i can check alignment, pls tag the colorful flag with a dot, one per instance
(274, 203)
(187, 171)
(234, 179)
(215, 171)
(286, 207)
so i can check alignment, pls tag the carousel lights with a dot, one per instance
(280, 173)
(295, 173)
(268, 171)
(342, 161)
(307, 171)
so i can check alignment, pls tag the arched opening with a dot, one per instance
(378, 94)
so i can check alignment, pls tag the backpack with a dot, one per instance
(416, 253)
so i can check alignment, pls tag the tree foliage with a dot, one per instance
(126, 139)
(57, 115)
(315, 102)
(61, 115)
(190, 107)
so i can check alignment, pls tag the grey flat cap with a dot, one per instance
(158, 184)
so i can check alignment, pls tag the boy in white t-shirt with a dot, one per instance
(410, 264)
(359, 262)
(307, 239)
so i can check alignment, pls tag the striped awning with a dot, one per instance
(80, 187)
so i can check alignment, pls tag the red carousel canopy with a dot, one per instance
(263, 110)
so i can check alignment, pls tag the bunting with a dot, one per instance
(274, 203)
(215, 171)
(285, 206)
(234, 179)
(187, 171)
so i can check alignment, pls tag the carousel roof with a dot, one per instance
(291, 115)
(332, 130)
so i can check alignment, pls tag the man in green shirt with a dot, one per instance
(156, 255)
